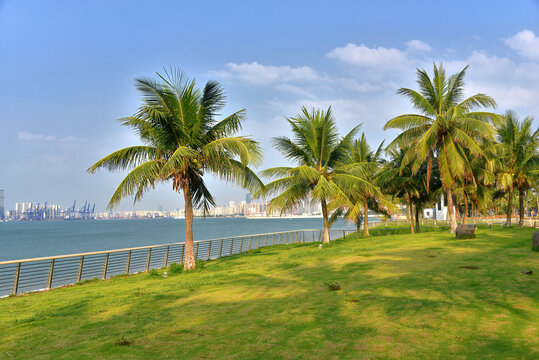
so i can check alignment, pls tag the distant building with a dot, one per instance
(248, 198)
(2, 211)
(439, 212)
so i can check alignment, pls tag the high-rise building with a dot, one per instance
(2, 211)
(248, 198)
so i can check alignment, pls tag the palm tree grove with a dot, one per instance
(479, 162)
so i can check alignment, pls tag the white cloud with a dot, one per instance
(27, 136)
(418, 45)
(296, 90)
(512, 84)
(258, 74)
(525, 43)
(362, 55)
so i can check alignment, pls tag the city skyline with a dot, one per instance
(70, 74)
(43, 211)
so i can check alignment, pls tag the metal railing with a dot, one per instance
(19, 276)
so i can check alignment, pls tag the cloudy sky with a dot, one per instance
(68, 69)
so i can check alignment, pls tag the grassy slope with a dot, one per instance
(402, 297)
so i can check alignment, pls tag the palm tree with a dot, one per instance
(321, 174)
(403, 184)
(444, 128)
(362, 198)
(475, 184)
(517, 159)
(182, 142)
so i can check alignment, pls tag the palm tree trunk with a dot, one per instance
(409, 213)
(465, 217)
(358, 225)
(326, 222)
(417, 229)
(521, 208)
(509, 208)
(451, 211)
(189, 263)
(366, 219)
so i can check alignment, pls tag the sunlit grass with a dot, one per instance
(402, 296)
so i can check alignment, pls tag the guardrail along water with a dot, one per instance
(20, 276)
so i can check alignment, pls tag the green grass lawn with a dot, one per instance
(402, 296)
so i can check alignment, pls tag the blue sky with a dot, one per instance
(68, 69)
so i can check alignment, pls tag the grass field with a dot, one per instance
(402, 296)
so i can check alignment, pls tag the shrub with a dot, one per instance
(154, 273)
(175, 268)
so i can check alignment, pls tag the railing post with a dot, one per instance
(209, 251)
(313, 235)
(51, 273)
(221, 248)
(196, 252)
(280, 234)
(250, 242)
(182, 251)
(231, 246)
(343, 234)
(81, 264)
(241, 244)
(267, 238)
(320, 236)
(105, 266)
(165, 262)
(303, 236)
(128, 262)
(16, 280)
(258, 242)
(297, 235)
(148, 259)
(273, 239)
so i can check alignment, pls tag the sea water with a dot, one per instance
(30, 239)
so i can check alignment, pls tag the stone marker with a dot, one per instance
(535, 241)
(465, 232)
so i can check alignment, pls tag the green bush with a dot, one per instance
(154, 273)
(175, 268)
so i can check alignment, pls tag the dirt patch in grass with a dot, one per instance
(469, 267)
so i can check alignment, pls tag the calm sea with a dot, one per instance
(22, 239)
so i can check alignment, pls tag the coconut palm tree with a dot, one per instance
(445, 126)
(321, 173)
(361, 198)
(518, 161)
(182, 141)
(410, 188)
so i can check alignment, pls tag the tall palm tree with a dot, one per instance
(518, 161)
(182, 142)
(444, 128)
(321, 173)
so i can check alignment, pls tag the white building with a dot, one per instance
(439, 212)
